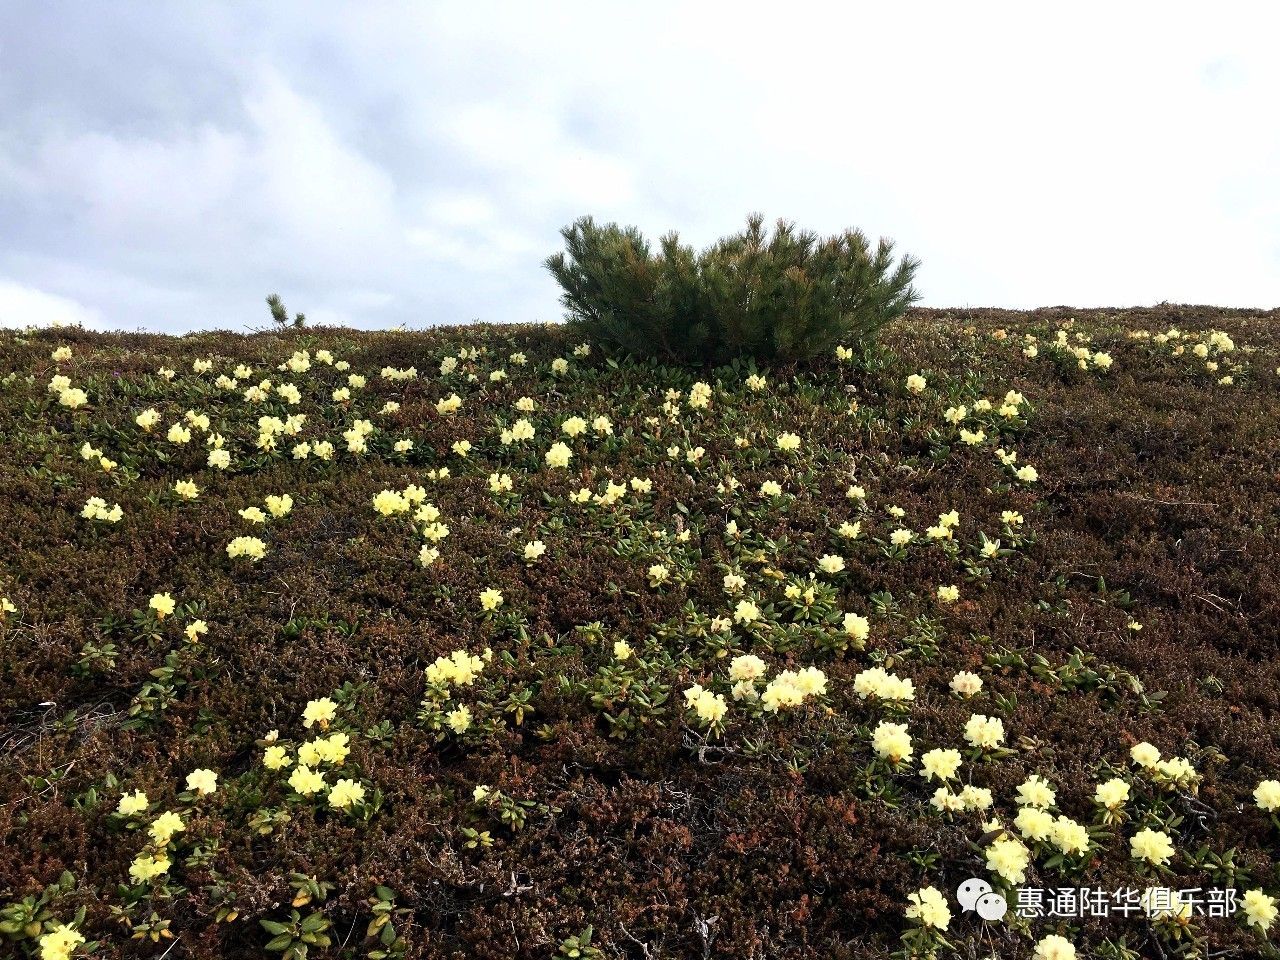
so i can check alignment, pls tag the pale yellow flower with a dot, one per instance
(929, 906)
(346, 793)
(132, 803)
(1054, 947)
(1154, 846)
(163, 604)
(319, 712)
(1259, 909)
(202, 781)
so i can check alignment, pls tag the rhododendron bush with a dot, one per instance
(489, 642)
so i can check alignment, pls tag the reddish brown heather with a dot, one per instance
(1156, 483)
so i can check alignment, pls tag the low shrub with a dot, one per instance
(781, 296)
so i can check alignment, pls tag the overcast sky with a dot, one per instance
(166, 165)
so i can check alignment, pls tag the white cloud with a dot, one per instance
(415, 164)
(541, 164)
(23, 306)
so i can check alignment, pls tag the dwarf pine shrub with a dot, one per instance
(781, 296)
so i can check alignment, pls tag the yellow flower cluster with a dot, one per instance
(700, 396)
(164, 827)
(95, 508)
(279, 505)
(319, 713)
(1054, 947)
(559, 455)
(132, 803)
(250, 547)
(1113, 794)
(879, 683)
(969, 798)
(1259, 909)
(1009, 857)
(357, 436)
(202, 781)
(709, 707)
(1154, 846)
(857, 626)
(520, 431)
(1267, 795)
(459, 669)
(944, 529)
(276, 757)
(1037, 792)
(346, 793)
(1172, 773)
(929, 907)
(60, 942)
(985, 732)
(306, 781)
(891, 741)
(791, 688)
(73, 398)
(148, 866)
(459, 719)
(831, 564)
(89, 452)
(332, 749)
(747, 667)
(966, 684)
(940, 763)
(162, 604)
(389, 502)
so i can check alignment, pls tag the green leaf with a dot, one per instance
(314, 923)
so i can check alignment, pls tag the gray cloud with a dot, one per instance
(167, 165)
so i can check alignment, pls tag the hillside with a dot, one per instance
(481, 638)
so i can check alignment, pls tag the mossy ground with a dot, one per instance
(780, 835)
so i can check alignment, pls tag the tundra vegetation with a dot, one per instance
(519, 642)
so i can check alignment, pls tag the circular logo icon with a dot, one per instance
(969, 892)
(992, 906)
(977, 895)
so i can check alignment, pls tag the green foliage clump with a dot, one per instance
(280, 315)
(781, 296)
